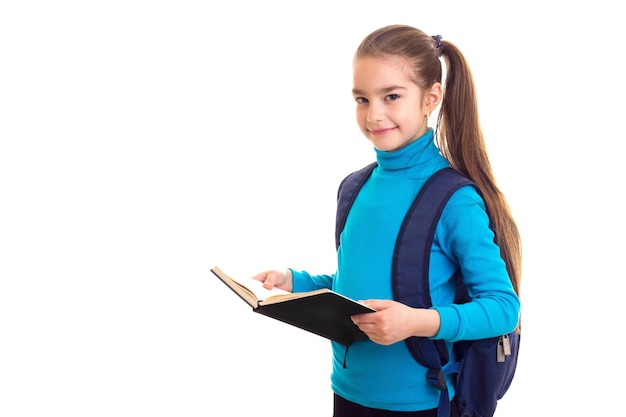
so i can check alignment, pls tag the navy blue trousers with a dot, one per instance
(345, 408)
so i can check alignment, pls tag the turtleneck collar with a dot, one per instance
(418, 152)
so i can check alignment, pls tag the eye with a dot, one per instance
(392, 97)
(360, 100)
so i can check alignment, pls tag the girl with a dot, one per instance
(397, 86)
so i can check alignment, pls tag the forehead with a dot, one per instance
(381, 69)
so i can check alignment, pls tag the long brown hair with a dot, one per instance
(458, 132)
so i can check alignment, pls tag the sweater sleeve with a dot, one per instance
(463, 233)
(303, 281)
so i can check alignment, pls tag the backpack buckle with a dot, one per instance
(437, 379)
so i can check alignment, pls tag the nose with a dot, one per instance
(374, 112)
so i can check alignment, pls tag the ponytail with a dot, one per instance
(460, 139)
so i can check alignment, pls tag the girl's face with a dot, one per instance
(391, 110)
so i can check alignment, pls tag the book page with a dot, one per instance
(259, 290)
(250, 290)
(286, 296)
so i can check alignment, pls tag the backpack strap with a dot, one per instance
(410, 277)
(348, 189)
(416, 236)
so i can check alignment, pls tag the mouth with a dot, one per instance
(381, 132)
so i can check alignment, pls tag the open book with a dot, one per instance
(322, 312)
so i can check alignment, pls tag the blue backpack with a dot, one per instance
(484, 368)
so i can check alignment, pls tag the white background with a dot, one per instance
(143, 143)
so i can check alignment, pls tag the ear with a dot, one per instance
(432, 97)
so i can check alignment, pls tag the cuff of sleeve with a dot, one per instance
(301, 281)
(449, 323)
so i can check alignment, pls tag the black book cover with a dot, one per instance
(325, 314)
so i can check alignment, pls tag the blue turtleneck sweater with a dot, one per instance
(388, 377)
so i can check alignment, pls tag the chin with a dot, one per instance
(387, 143)
(386, 148)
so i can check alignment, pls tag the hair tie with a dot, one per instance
(438, 44)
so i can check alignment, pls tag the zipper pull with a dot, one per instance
(504, 348)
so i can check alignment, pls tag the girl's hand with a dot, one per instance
(394, 321)
(282, 279)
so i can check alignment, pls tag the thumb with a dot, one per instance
(378, 304)
(265, 278)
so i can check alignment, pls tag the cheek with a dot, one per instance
(360, 118)
(362, 112)
(359, 115)
(404, 116)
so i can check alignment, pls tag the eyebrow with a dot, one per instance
(382, 90)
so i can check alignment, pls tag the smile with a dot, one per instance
(380, 132)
